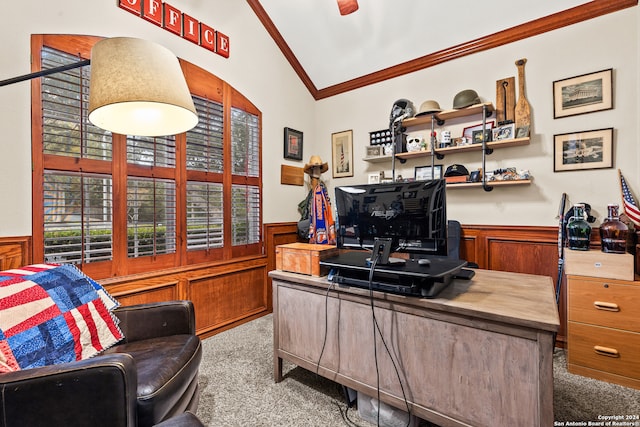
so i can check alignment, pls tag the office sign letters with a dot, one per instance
(173, 20)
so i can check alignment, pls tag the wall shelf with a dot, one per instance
(471, 147)
(449, 114)
(377, 159)
(489, 183)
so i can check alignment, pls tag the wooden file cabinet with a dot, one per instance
(604, 329)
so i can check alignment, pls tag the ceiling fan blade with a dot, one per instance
(347, 6)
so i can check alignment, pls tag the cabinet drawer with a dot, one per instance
(604, 349)
(604, 302)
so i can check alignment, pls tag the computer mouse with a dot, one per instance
(424, 261)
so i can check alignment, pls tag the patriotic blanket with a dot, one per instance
(52, 314)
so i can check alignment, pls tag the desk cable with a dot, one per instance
(326, 325)
(343, 413)
(374, 261)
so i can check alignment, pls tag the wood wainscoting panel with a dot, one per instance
(15, 252)
(224, 294)
(223, 299)
(275, 234)
(167, 291)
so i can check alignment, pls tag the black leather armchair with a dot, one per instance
(149, 377)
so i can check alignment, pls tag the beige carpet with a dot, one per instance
(237, 388)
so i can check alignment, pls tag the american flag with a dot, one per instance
(630, 205)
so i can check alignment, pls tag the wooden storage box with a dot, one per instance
(303, 258)
(595, 263)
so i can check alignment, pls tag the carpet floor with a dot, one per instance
(237, 389)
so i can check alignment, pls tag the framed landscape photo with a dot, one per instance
(425, 173)
(292, 144)
(342, 154)
(583, 94)
(592, 149)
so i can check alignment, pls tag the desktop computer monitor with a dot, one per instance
(410, 216)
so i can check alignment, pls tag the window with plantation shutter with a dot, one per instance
(245, 147)
(245, 152)
(77, 217)
(151, 217)
(246, 214)
(205, 141)
(152, 151)
(122, 204)
(205, 215)
(66, 130)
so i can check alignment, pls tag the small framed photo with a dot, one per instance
(292, 144)
(591, 149)
(522, 132)
(374, 178)
(468, 131)
(374, 150)
(476, 136)
(504, 132)
(475, 176)
(583, 94)
(342, 154)
(425, 173)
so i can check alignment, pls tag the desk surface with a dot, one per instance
(518, 299)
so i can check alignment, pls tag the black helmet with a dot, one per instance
(400, 108)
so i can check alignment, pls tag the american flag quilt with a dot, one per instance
(53, 314)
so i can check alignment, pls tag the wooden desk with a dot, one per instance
(481, 354)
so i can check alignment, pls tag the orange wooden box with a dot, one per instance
(303, 258)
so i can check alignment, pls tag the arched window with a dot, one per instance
(117, 204)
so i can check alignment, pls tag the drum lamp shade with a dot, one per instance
(137, 88)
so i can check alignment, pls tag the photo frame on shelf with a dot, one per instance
(504, 132)
(342, 154)
(475, 176)
(425, 173)
(583, 94)
(592, 149)
(468, 131)
(522, 131)
(477, 138)
(292, 144)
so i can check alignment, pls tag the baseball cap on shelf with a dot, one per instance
(456, 170)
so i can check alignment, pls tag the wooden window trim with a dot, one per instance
(201, 83)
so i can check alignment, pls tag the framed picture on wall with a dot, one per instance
(591, 149)
(292, 144)
(342, 154)
(583, 94)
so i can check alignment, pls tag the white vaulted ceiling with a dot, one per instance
(328, 49)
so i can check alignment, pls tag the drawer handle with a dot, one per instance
(607, 306)
(606, 351)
